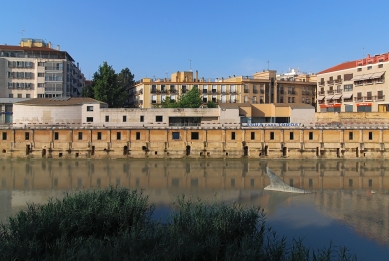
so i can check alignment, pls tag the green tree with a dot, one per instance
(106, 87)
(191, 99)
(87, 91)
(211, 104)
(168, 103)
(126, 80)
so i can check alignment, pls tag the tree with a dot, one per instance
(87, 91)
(191, 99)
(106, 87)
(126, 79)
(168, 103)
(211, 104)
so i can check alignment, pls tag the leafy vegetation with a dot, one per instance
(116, 224)
(191, 99)
(109, 87)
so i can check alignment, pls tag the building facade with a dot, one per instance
(35, 70)
(355, 86)
(260, 88)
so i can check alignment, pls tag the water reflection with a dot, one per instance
(343, 188)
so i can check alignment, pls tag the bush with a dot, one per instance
(115, 224)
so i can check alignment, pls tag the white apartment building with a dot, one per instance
(35, 70)
(355, 86)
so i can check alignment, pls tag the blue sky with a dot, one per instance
(222, 38)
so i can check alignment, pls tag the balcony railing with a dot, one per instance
(338, 91)
(246, 90)
(321, 83)
(262, 91)
(338, 81)
(330, 92)
(369, 98)
(255, 91)
(330, 82)
(293, 92)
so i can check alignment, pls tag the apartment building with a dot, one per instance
(355, 86)
(260, 88)
(35, 70)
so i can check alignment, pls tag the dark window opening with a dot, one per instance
(158, 118)
(106, 118)
(370, 135)
(233, 135)
(175, 135)
(252, 135)
(291, 135)
(27, 136)
(99, 135)
(4, 136)
(89, 119)
(118, 135)
(194, 135)
(124, 118)
(271, 135)
(137, 135)
(56, 135)
(311, 135)
(351, 135)
(142, 118)
(80, 136)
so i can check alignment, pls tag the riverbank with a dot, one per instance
(269, 142)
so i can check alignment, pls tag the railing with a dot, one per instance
(181, 124)
(330, 82)
(369, 98)
(338, 81)
(321, 83)
(338, 91)
(330, 92)
(262, 91)
(292, 92)
(255, 91)
(246, 91)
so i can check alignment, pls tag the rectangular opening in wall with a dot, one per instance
(194, 135)
(351, 135)
(310, 183)
(106, 118)
(291, 182)
(252, 182)
(89, 119)
(118, 135)
(27, 136)
(79, 135)
(89, 108)
(142, 118)
(56, 135)
(272, 135)
(311, 135)
(370, 183)
(158, 118)
(232, 183)
(137, 134)
(124, 118)
(175, 135)
(252, 135)
(99, 135)
(350, 183)
(233, 135)
(4, 136)
(291, 135)
(370, 135)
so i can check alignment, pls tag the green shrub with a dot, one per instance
(116, 224)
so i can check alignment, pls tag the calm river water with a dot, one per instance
(350, 203)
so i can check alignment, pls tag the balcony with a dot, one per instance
(321, 83)
(255, 91)
(330, 82)
(330, 92)
(246, 90)
(262, 91)
(205, 91)
(338, 81)
(173, 91)
(154, 91)
(292, 92)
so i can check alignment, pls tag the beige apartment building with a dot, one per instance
(35, 70)
(261, 88)
(355, 86)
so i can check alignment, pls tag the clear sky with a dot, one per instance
(221, 37)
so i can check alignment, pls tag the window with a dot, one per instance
(310, 183)
(359, 69)
(4, 136)
(99, 135)
(369, 67)
(158, 118)
(370, 182)
(175, 135)
(118, 135)
(153, 98)
(41, 64)
(252, 182)
(310, 134)
(291, 135)
(348, 87)
(26, 135)
(28, 95)
(142, 118)
(137, 134)
(348, 77)
(194, 135)
(89, 108)
(80, 135)
(232, 182)
(124, 118)
(10, 95)
(41, 75)
(41, 85)
(89, 119)
(233, 135)
(19, 95)
(370, 135)
(351, 135)
(350, 183)
(252, 135)
(380, 66)
(56, 135)
(106, 118)
(272, 135)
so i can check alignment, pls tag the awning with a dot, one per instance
(347, 95)
(329, 97)
(377, 75)
(356, 78)
(366, 77)
(320, 98)
(337, 96)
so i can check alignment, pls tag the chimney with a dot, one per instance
(197, 75)
(58, 49)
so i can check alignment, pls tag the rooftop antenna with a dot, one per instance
(190, 65)
(167, 72)
(22, 33)
(268, 62)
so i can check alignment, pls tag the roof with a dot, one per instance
(342, 66)
(295, 105)
(233, 105)
(13, 100)
(65, 101)
(33, 49)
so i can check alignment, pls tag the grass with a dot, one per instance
(116, 224)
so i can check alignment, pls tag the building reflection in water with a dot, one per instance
(343, 187)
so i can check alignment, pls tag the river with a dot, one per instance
(349, 206)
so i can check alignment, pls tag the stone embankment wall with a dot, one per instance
(196, 142)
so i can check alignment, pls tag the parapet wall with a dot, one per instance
(195, 142)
